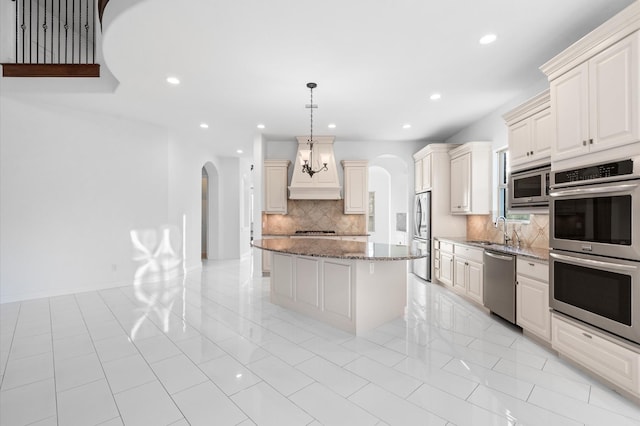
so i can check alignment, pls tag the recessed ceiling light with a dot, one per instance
(331, 126)
(406, 126)
(260, 126)
(239, 151)
(488, 38)
(204, 125)
(435, 96)
(173, 80)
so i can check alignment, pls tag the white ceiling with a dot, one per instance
(376, 62)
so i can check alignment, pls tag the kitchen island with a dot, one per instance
(355, 286)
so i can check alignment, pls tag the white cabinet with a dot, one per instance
(471, 178)
(422, 175)
(530, 133)
(468, 271)
(445, 263)
(461, 183)
(275, 186)
(612, 359)
(356, 187)
(596, 105)
(532, 297)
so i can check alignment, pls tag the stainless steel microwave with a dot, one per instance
(529, 188)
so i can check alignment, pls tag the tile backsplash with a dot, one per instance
(314, 215)
(532, 234)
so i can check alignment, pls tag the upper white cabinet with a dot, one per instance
(594, 91)
(275, 186)
(356, 187)
(530, 133)
(471, 178)
(423, 173)
(596, 104)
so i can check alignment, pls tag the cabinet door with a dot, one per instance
(532, 306)
(613, 91)
(446, 268)
(570, 113)
(474, 281)
(460, 183)
(426, 172)
(520, 142)
(541, 134)
(275, 189)
(356, 192)
(460, 274)
(417, 175)
(612, 361)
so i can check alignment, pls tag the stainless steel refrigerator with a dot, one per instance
(422, 234)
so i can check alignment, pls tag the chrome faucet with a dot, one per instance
(518, 242)
(505, 237)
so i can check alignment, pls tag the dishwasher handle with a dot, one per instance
(498, 256)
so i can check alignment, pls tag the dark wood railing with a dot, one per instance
(55, 38)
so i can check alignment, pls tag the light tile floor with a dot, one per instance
(210, 349)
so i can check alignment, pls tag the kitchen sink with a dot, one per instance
(482, 242)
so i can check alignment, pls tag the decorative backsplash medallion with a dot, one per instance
(534, 234)
(314, 215)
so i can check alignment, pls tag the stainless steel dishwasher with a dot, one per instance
(500, 284)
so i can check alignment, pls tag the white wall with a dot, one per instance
(86, 200)
(492, 126)
(73, 185)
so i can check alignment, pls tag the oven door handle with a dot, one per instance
(597, 190)
(595, 263)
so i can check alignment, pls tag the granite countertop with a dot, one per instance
(318, 247)
(531, 252)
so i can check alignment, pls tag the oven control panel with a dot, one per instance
(599, 171)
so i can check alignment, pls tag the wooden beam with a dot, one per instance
(51, 70)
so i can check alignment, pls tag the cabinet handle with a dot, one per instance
(532, 264)
(590, 141)
(527, 153)
(584, 143)
(531, 152)
(587, 335)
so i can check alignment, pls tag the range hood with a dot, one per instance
(324, 185)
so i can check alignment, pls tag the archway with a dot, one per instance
(391, 207)
(210, 241)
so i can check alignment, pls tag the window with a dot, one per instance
(503, 188)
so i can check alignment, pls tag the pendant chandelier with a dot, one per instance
(306, 156)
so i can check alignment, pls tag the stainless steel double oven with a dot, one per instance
(595, 242)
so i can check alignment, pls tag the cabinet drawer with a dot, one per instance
(468, 252)
(445, 246)
(610, 360)
(532, 269)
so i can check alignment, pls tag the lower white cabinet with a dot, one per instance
(532, 297)
(614, 360)
(468, 271)
(445, 263)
